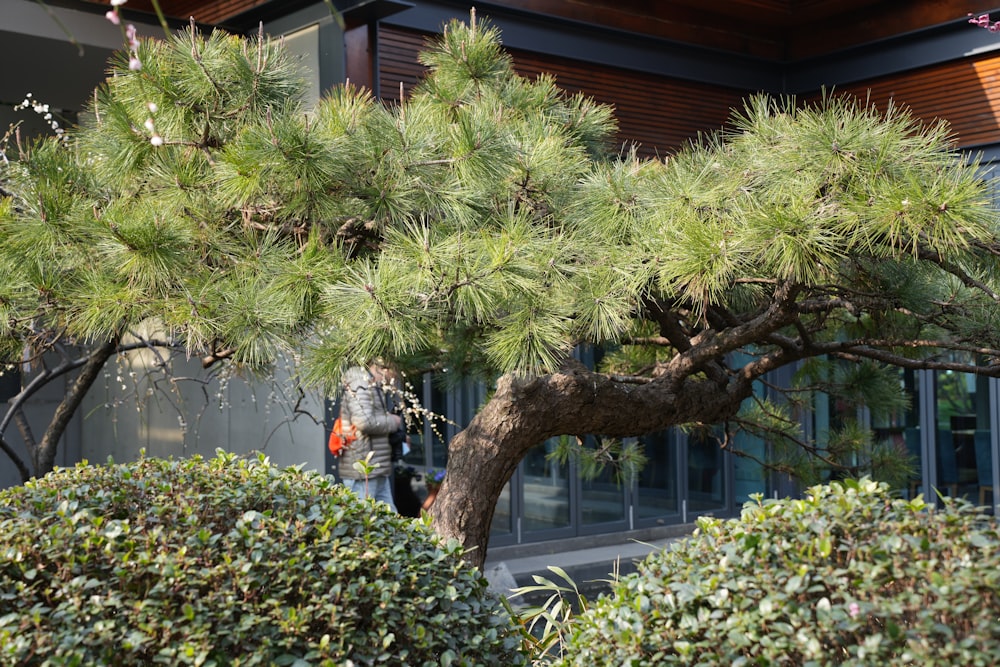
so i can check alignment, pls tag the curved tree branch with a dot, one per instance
(44, 454)
(958, 272)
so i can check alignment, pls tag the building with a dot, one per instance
(672, 70)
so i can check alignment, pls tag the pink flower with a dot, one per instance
(130, 35)
(112, 16)
(983, 21)
(854, 610)
(134, 64)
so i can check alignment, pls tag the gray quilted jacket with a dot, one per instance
(365, 405)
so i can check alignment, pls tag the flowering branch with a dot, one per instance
(129, 32)
(134, 64)
(983, 21)
(43, 111)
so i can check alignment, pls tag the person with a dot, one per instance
(365, 405)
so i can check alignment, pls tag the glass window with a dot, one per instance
(705, 472)
(901, 428)
(602, 499)
(962, 413)
(304, 45)
(412, 395)
(750, 476)
(436, 430)
(503, 517)
(656, 493)
(546, 490)
(830, 415)
(749, 473)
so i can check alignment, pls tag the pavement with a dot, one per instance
(591, 562)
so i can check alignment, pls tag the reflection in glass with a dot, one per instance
(962, 414)
(657, 483)
(602, 498)
(706, 477)
(749, 473)
(901, 428)
(434, 429)
(546, 489)
(830, 415)
(503, 523)
(416, 430)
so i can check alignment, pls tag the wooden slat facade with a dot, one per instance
(658, 113)
(204, 11)
(965, 93)
(776, 30)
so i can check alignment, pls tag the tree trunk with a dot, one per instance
(43, 455)
(524, 413)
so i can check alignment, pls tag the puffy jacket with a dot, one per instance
(365, 405)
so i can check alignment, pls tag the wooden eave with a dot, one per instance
(777, 30)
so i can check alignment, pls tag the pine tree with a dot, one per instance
(487, 226)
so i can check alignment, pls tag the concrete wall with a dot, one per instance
(136, 406)
(39, 57)
(192, 411)
(39, 412)
(127, 411)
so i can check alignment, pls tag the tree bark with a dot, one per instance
(44, 454)
(523, 413)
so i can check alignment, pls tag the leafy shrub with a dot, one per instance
(231, 562)
(846, 576)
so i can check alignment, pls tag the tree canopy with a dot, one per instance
(488, 225)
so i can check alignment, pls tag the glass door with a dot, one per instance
(546, 490)
(962, 434)
(657, 497)
(901, 429)
(602, 499)
(705, 473)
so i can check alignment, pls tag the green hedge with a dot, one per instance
(847, 576)
(231, 562)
